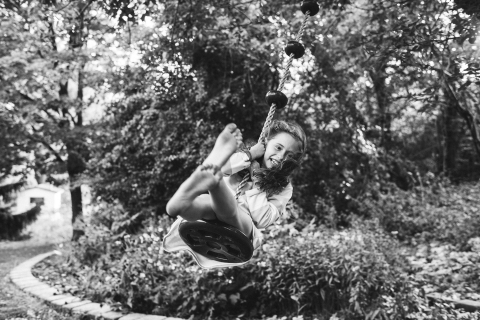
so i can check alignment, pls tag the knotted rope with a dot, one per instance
(273, 107)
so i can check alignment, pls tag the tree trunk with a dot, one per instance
(452, 138)
(77, 156)
(77, 215)
(77, 165)
(467, 115)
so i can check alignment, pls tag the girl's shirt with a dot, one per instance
(263, 209)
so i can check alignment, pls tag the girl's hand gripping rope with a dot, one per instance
(257, 150)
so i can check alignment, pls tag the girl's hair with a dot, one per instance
(273, 180)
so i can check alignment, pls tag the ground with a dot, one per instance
(44, 235)
(14, 303)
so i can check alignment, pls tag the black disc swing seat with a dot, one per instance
(216, 240)
(222, 242)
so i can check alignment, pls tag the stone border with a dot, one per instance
(22, 277)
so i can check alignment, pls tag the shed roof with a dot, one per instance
(45, 186)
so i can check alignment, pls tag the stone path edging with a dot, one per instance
(22, 277)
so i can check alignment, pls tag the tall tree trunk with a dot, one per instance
(451, 138)
(76, 152)
(77, 214)
(77, 165)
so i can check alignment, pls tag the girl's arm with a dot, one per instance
(266, 210)
(241, 160)
(237, 162)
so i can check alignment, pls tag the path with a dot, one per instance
(49, 228)
(14, 303)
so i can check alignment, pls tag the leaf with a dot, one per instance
(234, 298)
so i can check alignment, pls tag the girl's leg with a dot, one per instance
(189, 201)
(219, 204)
(224, 205)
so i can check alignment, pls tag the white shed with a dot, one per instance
(50, 197)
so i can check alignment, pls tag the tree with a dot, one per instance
(57, 55)
(371, 92)
(205, 65)
(14, 165)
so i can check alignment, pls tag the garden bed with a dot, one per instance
(454, 274)
(343, 274)
(415, 243)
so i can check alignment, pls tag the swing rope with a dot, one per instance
(273, 106)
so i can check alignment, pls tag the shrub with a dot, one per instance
(314, 272)
(436, 210)
(12, 226)
(444, 270)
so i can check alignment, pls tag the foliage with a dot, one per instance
(344, 274)
(139, 166)
(382, 83)
(386, 93)
(367, 95)
(444, 311)
(11, 226)
(445, 270)
(7, 190)
(13, 149)
(58, 61)
(435, 211)
(351, 274)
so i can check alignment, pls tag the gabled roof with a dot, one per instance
(45, 186)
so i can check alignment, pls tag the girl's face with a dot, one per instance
(278, 148)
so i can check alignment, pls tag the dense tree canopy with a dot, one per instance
(386, 92)
(129, 96)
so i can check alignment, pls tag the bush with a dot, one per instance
(12, 226)
(444, 270)
(314, 272)
(436, 210)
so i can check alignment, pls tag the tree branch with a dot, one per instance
(466, 114)
(85, 8)
(46, 144)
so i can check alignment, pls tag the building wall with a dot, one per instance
(52, 200)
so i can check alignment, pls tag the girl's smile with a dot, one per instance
(282, 145)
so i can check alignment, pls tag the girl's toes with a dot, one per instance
(238, 134)
(231, 127)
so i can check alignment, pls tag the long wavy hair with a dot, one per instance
(274, 180)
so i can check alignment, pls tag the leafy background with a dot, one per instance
(128, 97)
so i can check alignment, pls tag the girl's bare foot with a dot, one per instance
(204, 178)
(207, 176)
(227, 143)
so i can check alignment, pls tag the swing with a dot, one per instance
(219, 241)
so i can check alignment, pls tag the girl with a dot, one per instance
(261, 201)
